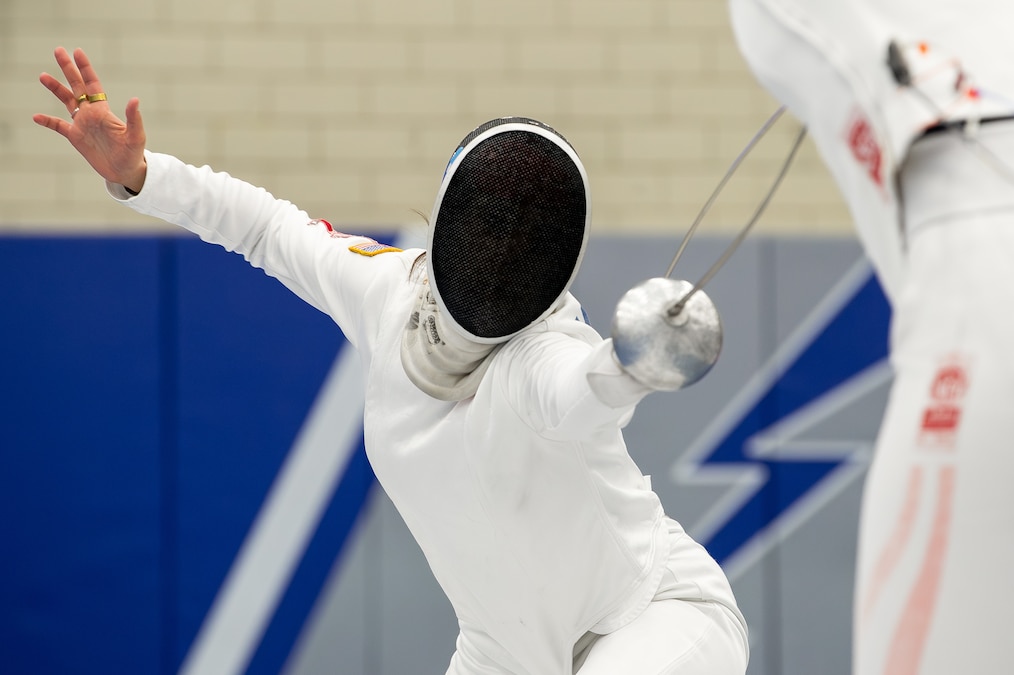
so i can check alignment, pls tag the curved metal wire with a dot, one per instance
(721, 185)
(677, 307)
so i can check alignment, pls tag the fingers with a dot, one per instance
(65, 95)
(90, 80)
(81, 80)
(70, 72)
(58, 125)
(80, 75)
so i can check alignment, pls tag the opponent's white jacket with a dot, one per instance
(827, 60)
(936, 216)
(535, 521)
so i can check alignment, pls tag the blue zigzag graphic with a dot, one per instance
(835, 350)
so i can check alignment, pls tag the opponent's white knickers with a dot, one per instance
(935, 576)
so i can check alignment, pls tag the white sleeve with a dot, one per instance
(317, 263)
(565, 388)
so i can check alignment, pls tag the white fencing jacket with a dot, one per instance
(535, 520)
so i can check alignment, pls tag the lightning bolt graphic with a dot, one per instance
(776, 479)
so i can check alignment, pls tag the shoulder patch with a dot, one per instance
(372, 248)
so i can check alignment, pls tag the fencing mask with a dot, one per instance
(508, 229)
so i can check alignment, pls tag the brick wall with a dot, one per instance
(350, 108)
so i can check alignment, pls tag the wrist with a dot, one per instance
(135, 182)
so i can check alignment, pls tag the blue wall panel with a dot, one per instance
(252, 357)
(151, 390)
(79, 466)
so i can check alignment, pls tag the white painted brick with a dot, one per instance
(722, 101)
(493, 98)
(612, 14)
(415, 98)
(644, 187)
(492, 17)
(726, 57)
(211, 97)
(658, 55)
(110, 11)
(316, 12)
(435, 142)
(774, 147)
(696, 14)
(87, 187)
(261, 53)
(593, 143)
(379, 214)
(201, 14)
(27, 95)
(416, 14)
(33, 47)
(373, 51)
(661, 143)
(365, 217)
(321, 193)
(557, 54)
(278, 142)
(25, 11)
(259, 172)
(362, 143)
(352, 107)
(612, 100)
(170, 49)
(187, 139)
(633, 218)
(320, 99)
(405, 190)
(478, 54)
(809, 188)
(38, 186)
(31, 143)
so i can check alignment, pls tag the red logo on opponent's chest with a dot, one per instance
(863, 143)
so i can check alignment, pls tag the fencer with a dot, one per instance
(911, 106)
(493, 412)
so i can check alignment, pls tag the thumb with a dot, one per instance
(135, 125)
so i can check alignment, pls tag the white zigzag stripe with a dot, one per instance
(779, 441)
(282, 529)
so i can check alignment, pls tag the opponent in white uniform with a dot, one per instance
(552, 547)
(909, 105)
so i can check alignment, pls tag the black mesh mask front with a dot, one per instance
(509, 231)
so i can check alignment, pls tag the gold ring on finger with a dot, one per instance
(82, 98)
(92, 98)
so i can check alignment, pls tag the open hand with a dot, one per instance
(115, 149)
